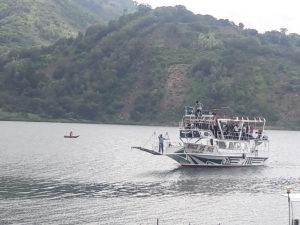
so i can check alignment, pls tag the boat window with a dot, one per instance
(186, 134)
(221, 144)
(235, 146)
(206, 134)
(196, 134)
(189, 134)
(182, 134)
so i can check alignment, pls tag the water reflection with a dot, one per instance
(191, 172)
(47, 179)
(14, 187)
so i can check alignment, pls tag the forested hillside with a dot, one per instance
(146, 66)
(27, 23)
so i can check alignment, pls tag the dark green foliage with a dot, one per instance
(42, 22)
(118, 72)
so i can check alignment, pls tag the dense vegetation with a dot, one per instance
(120, 72)
(27, 23)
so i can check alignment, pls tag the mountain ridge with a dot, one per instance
(126, 72)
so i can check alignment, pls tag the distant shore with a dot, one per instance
(27, 117)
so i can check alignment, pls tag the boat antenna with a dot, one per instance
(167, 135)
(288, 191)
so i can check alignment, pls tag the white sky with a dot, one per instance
(262, 15)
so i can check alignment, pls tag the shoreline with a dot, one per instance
(75, 121)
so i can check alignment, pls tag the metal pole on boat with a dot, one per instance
(157, 223)
(288, 191)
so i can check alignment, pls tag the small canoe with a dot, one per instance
(68, 136)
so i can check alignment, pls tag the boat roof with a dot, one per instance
(226, 119)
(208, 115)
(244, 119)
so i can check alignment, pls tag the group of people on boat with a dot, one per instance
(230, 129)
(237, 131)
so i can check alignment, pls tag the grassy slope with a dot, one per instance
(27, 23)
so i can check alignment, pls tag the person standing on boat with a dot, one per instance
(161, 143)
(198, 109)
(236, 131)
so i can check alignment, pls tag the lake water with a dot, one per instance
(98, 179)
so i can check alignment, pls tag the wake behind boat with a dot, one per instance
(212, 140)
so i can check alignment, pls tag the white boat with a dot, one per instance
(212, 140)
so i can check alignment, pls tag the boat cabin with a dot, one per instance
(209, 124)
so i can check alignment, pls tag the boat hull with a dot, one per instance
(204, 160)
(66, 136)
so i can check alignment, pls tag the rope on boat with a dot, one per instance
(153, 144)
(169, 139)
(150, 138)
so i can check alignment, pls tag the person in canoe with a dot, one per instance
(71, 135)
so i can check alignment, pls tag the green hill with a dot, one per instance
(27, 23)
(146, 66)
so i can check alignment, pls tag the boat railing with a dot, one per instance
(236, 135)
(196, 124)
(206, 132)
(207, 115)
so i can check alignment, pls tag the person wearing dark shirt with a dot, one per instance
(198, 109)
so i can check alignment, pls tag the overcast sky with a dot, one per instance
(262, 15)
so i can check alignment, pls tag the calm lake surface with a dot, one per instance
(98, 179)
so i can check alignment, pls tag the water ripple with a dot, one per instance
(14, 187)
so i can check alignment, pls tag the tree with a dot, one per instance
(283, 30)
(241, 26)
